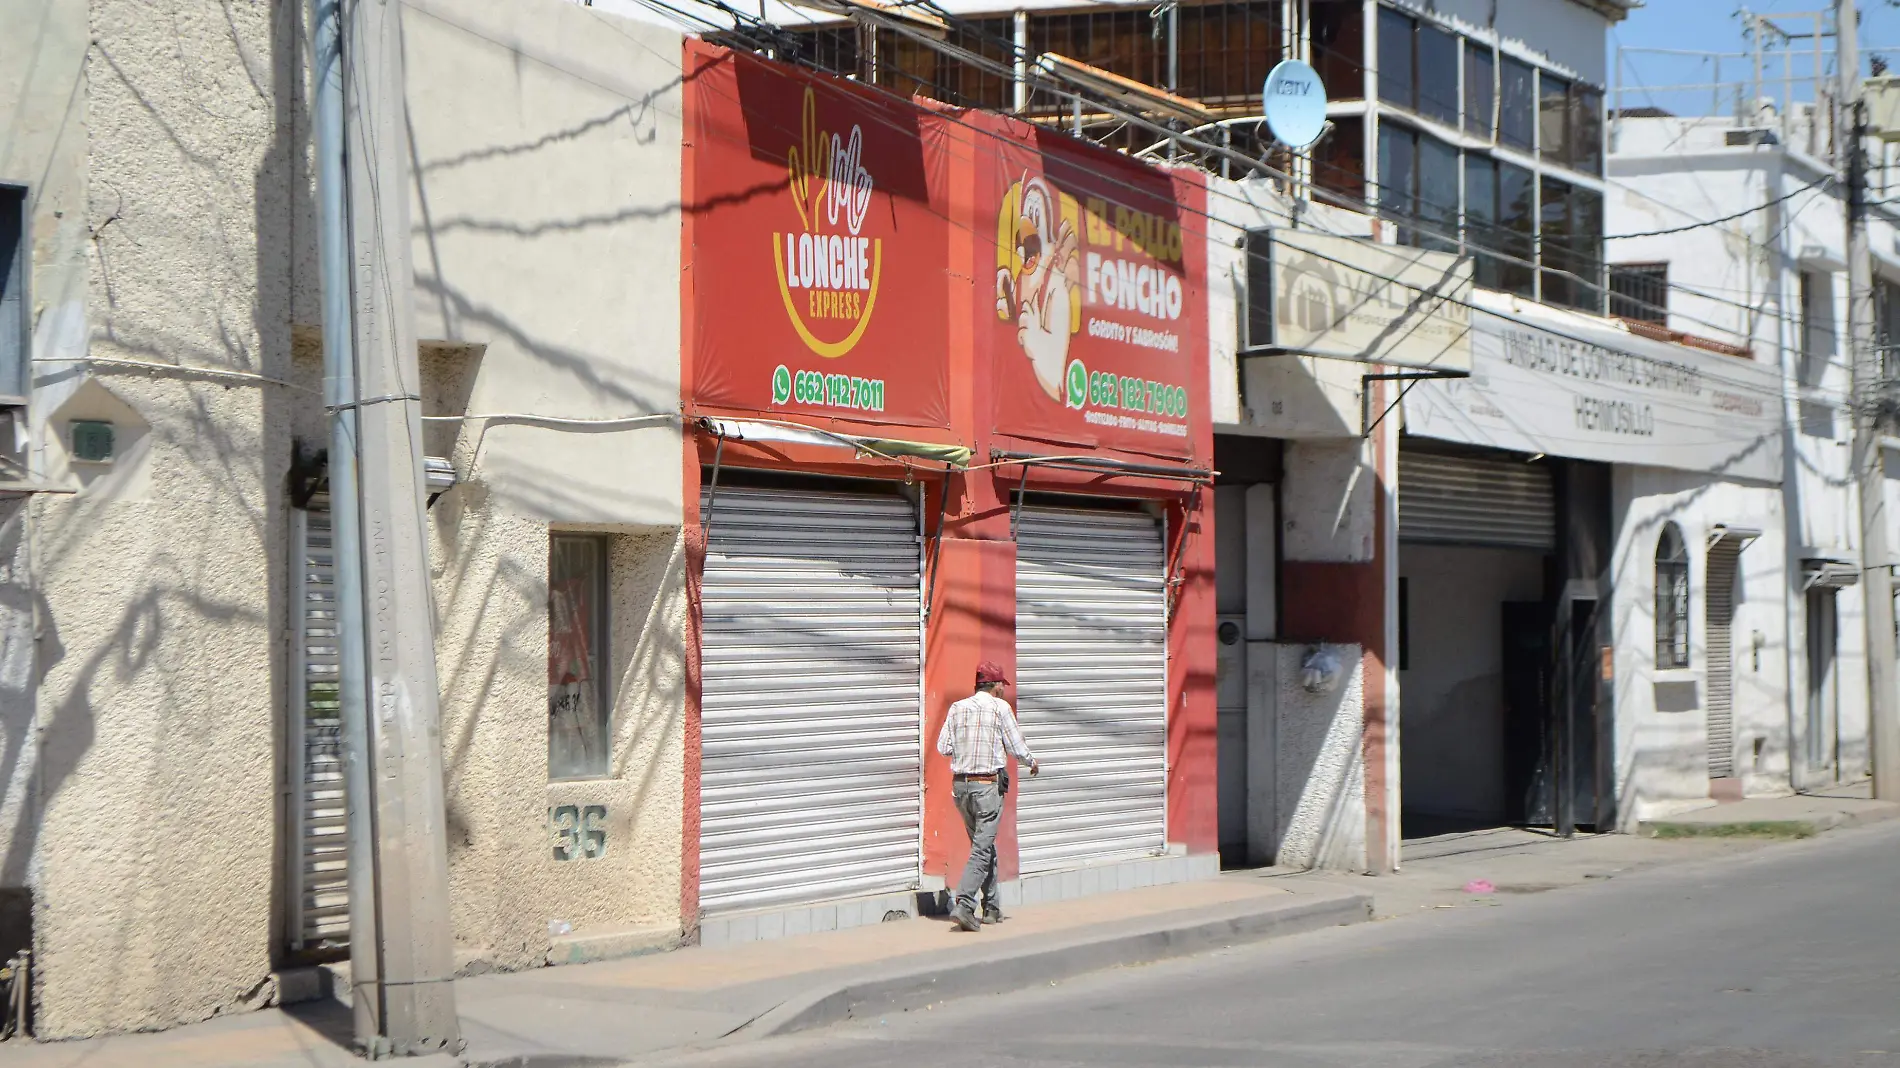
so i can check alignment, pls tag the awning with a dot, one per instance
(1737, 538)
(796, 434)
(1826, 573)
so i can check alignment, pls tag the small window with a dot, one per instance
(579, 734)
(1480, 89)
(1398, 177)
(1586, 129)
(92, 441)
(1640, 291)
(1817, 326)
(1517, 113)
(1437, 195)
(1553, 118)
(1397, 60)
(1672, 599)
(1339, 47)
(1517, 228)
(1481, 219)
(1339, 163)
(13, 273)
(1437, 75)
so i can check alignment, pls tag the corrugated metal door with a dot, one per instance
(811, 759)
(318, 884)
(1721, 609)
(1476, 501)
(1091, 685)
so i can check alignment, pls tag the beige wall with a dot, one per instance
(175, 153)
(547, 148)
(161, 579)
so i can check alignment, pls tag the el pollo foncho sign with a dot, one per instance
(830, 225)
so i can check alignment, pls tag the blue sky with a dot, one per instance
(1712, 26)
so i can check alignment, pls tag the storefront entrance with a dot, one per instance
(812, 770)
(1499, 654)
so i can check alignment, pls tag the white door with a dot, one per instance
(318, 892)
(811, 760)
(1091, 685)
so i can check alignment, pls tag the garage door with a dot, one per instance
(1091, 686)
(317, 889)
(811, 762)
(1493, 502)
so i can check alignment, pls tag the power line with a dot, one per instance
(1290, 216)
(1745, 212)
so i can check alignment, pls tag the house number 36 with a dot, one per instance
(578, 831)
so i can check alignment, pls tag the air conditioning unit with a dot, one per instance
(1883, 106)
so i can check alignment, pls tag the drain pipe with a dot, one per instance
(341, 395)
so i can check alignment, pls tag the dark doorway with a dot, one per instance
(1527, 734)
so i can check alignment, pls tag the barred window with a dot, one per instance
(1672, 599)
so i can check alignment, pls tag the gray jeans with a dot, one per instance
(982, 806)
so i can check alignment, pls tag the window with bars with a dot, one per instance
(1672, 599)
(1640, 291)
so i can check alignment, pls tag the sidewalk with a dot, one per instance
(607, 1013)
(1800, 816)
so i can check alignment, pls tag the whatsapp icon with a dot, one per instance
(781, 385)
(1078, 385)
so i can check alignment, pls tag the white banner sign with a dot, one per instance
(1592, 393)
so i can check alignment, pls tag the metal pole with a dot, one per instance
(407, 1006)
(340, 395)
(1864, 393)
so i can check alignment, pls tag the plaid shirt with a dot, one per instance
(976, 734)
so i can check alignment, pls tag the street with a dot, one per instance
(1789, 956)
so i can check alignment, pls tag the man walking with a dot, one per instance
(979, 735)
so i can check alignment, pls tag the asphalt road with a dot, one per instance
(1785, 957)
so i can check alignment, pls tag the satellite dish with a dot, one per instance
(1294, 103)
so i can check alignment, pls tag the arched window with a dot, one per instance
(1672, 599)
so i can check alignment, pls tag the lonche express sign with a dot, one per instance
(1355, 299)
(819, 242)
(1097, 324)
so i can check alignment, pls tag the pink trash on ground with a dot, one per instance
(1480, 886)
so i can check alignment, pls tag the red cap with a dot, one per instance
(987, 672)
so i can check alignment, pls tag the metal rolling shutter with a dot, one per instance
(1721, 607)
(1091, 685)
(811, 753)
(318, 883)
(1476, 501)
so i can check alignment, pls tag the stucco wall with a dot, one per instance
(43, 148)
(162, 578)
(546, 205)
(1320, 774)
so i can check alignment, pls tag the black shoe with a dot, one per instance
(964, 918)
(992, 914)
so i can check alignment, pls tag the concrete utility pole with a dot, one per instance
(401, 960)
(1864, 395)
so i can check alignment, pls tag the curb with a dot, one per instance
(1798, 828)
(1038, 961)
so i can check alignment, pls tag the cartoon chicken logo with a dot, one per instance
(1039, 275)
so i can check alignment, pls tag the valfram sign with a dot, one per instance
(1354, 299)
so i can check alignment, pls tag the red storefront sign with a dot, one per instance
(1094, 314)
(818, 246)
